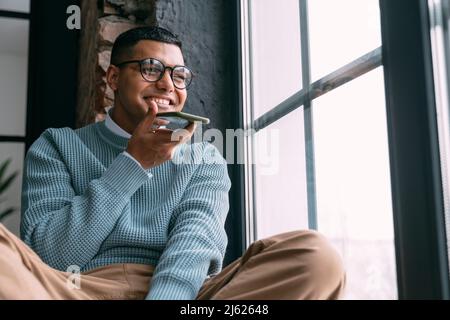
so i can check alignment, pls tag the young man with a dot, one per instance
(115, 200)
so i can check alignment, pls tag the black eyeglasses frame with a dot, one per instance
(141, 63)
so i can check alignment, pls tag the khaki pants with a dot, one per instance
(293, 265)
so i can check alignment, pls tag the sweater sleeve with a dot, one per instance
(197, 241)
(65, 228)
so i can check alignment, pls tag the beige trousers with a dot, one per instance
(293, 265)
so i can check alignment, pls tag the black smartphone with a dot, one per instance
(180, 120)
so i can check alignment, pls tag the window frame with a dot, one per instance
(422, 264)
(421, 253)
(439, 33)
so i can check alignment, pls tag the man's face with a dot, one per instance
(133, 94)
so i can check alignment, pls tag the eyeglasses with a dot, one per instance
(152, 70)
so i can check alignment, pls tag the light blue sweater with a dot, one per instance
(85, 203)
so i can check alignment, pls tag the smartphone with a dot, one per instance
(180, 120)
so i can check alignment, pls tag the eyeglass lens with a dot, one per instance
(152, 70)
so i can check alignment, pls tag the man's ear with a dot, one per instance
(112, 77)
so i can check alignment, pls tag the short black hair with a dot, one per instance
(130, 38)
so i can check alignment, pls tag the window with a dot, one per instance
(341, 31)
(281, 177)
(325, 112)
(13, 75)
(354, 207)
(14, 33)
(439, 15)
(276, 75)
(15, 5)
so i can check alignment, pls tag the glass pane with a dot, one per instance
(276, 56)
(280, 177)
(441, 60)
(340, 32)
(11, 197)
(354, 204)
(15, 5)
(13, 76)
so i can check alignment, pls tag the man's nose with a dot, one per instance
(166, 82)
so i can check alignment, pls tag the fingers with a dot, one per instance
(191, 127)
(158, 123)
(162, 132)
(166, 136)
(147, 122)
(161, 122)
(181, 135)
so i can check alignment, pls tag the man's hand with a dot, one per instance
(151, 147)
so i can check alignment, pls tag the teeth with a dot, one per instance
(160, 101)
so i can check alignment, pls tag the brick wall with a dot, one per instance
(102, 22)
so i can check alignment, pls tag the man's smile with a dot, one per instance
(163, 103)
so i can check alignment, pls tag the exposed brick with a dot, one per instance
(99, 31)
(103, 59)
(108, 8)
(141, 10)
(88, 59)
(111, 26)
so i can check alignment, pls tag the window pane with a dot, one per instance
(13, 76)
(353, 184)
(441, 61)
(280, 180)
(15, 5)
(340, 32)
(276, 56)
(11, 197)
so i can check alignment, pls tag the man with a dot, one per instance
(115, 200)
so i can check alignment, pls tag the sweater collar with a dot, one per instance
(112, 133)
(114, 127)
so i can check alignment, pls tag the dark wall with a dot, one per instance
(203, 30)
(209, 32)
(53, 53)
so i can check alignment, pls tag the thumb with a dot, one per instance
(150, 116)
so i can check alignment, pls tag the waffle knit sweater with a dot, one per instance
(86, 203)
